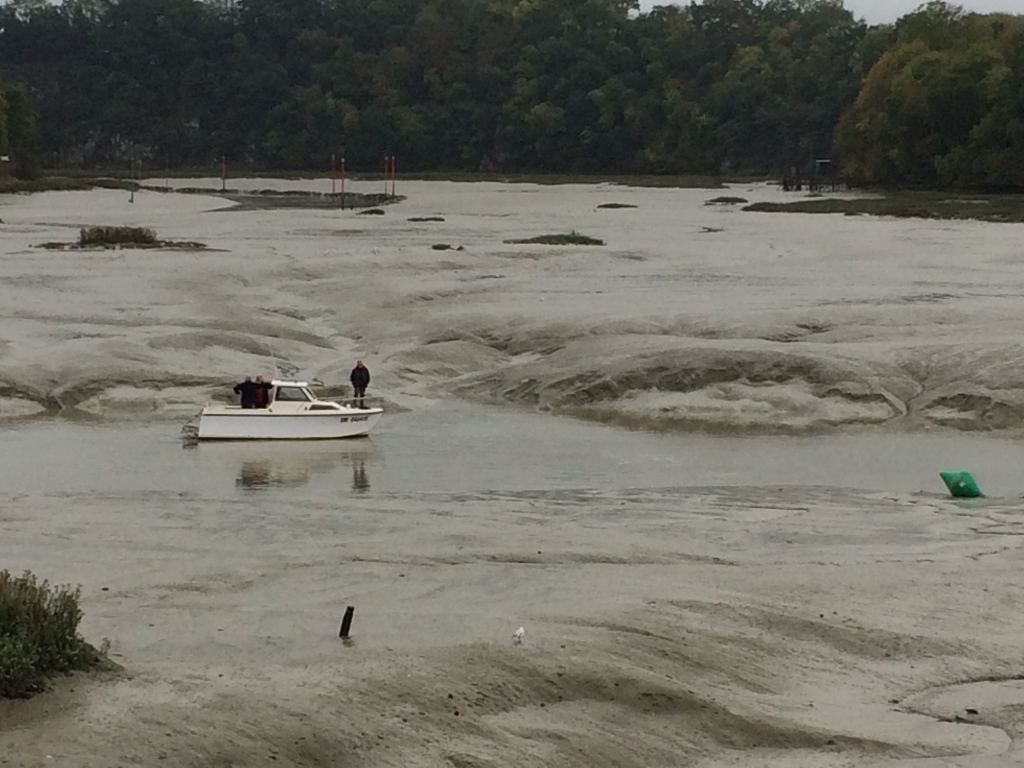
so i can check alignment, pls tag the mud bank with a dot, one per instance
(691, 604)
(692, 317)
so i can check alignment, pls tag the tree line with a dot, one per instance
(17, 133)
(587, 86)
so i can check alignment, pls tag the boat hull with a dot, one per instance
(257, 424)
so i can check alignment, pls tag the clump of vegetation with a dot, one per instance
(93, 236)
(121, 237)
(427, 218)
(39, 634)
(371, 212)
(440, 247)
(616, 205)
(573, 238)
(726, 200)
(1006, 209)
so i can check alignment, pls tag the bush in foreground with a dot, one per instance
(38, 634)
(116, 236)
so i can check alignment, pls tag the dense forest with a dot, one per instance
(17, 132)
(722, 86)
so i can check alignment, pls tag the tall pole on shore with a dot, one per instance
(343, 182)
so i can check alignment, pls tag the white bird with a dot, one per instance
(517, 636)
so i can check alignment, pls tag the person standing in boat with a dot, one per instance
(262, 393)
(247, 391)
(360, 379)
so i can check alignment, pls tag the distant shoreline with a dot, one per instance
(997, 207)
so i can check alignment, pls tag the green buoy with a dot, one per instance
(961, 484)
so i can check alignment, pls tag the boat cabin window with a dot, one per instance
(291, 395)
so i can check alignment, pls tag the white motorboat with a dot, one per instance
(292, 413)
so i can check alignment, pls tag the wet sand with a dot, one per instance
(688, 598)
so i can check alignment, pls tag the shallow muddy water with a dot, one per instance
(456, 447)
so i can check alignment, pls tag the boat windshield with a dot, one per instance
(292, 395)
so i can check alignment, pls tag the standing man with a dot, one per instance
(247, 391)
(360, 379)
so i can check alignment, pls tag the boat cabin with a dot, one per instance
(296, 395)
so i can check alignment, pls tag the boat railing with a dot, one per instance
(370, 402)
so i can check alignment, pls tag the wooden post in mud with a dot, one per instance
(392, 175)
(332, 174)
(387, 161)
(346, 622)
(343, 183)
(223, 173)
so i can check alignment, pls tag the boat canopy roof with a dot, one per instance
(280, 383)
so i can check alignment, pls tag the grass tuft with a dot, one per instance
(38, 634)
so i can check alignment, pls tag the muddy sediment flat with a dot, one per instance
(698, 467)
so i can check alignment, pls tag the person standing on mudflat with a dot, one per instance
(360, 379)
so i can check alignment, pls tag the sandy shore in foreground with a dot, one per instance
(785, 627)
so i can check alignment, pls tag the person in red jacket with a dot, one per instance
(262, 393)
(360, 379)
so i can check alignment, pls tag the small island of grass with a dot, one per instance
(100, 237)
(615, 206)
(726, 200)
(913, 205)
(39, 635)
(573, 238)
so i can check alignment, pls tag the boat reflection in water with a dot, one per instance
(360, 480)
(290, 466)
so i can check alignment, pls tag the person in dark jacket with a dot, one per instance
(360, 379)
(247, 390)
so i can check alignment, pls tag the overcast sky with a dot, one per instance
(885, 11)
